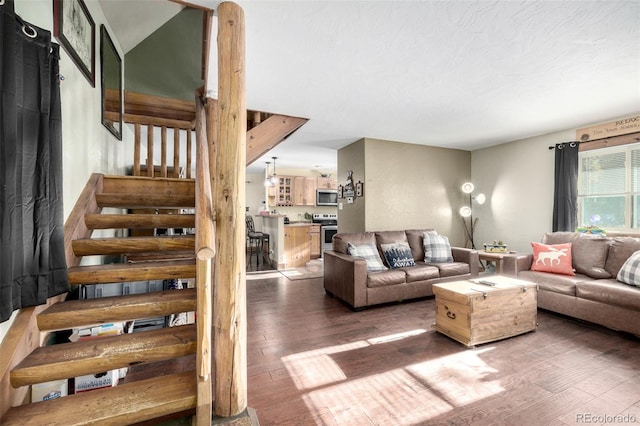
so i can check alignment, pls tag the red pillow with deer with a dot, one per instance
(554, 258)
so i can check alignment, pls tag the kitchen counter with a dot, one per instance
(293, 244)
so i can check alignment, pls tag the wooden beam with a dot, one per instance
(269, 133)
(623, 126)
(230, 309)
(609, 142)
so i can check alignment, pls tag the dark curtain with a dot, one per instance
(565, 199)
(32, 261)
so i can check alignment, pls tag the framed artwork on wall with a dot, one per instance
(359, 189)
(111, 70)
(76, 31)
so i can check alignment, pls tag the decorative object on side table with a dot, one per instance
(495, 247)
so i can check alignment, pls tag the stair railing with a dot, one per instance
(205, 252)
(166, 114)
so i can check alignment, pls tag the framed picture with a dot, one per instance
(359, 189)
(111, 70)
(76, 31)
(340, 191)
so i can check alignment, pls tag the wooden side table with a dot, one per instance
(493, 257)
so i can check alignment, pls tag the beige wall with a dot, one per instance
(351, 217)
(406, 186)
(517, 179)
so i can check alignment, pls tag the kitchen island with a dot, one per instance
(291, 245)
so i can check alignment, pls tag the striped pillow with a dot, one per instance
(368, 252)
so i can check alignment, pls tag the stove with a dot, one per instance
(328, 228)
(326, 219)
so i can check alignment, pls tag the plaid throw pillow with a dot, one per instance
(437, 249)
(630, 271)
(368, 252)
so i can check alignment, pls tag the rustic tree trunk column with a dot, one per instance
(230, 311)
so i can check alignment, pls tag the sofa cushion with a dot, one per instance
(341, 241)
(610, 292)
(397, 255)
(555, 283)
(620, 250)
(589, 255)
(421, 272)
(559, 237)
(388, 237)
(452, 269)
(416, 241)
(368, 252)
(436, 248)
(386, 278)
(555, 258)
(630, 271)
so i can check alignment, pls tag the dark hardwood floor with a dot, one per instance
(312, 361)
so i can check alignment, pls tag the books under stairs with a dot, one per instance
(163, 258)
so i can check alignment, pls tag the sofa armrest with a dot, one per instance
(512, 264)
(467, 255)
(345, 277)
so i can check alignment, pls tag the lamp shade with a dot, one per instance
(480, 198)
(467, 187)
(465, 211)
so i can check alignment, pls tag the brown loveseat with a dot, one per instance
(346, 276)
(593, 294)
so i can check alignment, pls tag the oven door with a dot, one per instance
(326, 234)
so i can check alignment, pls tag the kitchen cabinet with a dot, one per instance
(314, 241)
(304, 191)
(297, 247)
(327, 183)
(281, 194)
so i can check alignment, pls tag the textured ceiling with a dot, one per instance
(459, 74)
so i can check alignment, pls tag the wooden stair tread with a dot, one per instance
(160, 256)
(139, 221)
(129, 272)
(123, 404)
(134, 200)
(148, 185)
(80, 313)
(99, 354)
(107, 246)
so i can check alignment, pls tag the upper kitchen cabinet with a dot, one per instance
(327, 183)
(305, 191)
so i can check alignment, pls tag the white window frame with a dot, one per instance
(628, 194)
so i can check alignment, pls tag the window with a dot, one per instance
(609, 187)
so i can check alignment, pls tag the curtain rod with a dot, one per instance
(561, 143)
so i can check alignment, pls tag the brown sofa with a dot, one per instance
(593, 294)
(346, 277)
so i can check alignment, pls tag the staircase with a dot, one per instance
(144, 258)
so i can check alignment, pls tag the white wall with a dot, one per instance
(517, 179)
(88, 146)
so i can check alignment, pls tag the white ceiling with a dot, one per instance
(458, 74)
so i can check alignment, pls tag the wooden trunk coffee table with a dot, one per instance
(473, 313)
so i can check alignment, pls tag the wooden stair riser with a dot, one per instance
(141, 201)
(130, 272)
(115, 246)
(139, 221)
(120, 405)
(100, 354)
(82, 313)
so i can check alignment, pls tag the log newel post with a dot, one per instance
(230, 333)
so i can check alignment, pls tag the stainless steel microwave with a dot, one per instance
(326, 197)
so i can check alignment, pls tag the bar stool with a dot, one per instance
(255, 239)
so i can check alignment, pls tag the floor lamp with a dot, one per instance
(467, 212)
